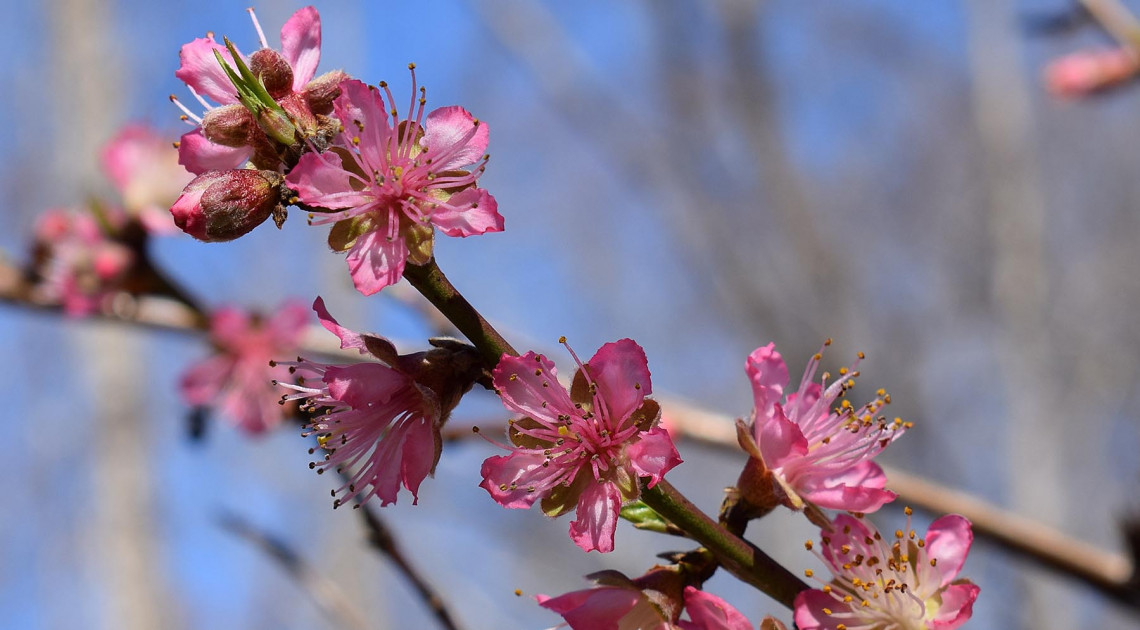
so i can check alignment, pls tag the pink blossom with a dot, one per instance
(145, 171)
(818, 452)
(585, 448)
(223, 205)
(376, 424)
(237, 379)
(81, 266)
(390, 182)
(1087, 71)
(624, 605)
(200, 150)
(908, 583)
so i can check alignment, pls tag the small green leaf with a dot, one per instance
(344, 233)
(644, 517)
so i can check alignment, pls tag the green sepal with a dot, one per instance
(252, 94)
(644, 517)
(344, 233)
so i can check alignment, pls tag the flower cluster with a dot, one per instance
(236, 380)
(78, 260)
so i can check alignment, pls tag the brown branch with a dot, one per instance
(1115, 18)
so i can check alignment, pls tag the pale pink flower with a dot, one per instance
(238, 379)
(80, 265)
(624, 605)
(1087, 71)
(287, 75)
(375, 423)
(145, 171)
(907, 583)
(390, 182)
(818, 452)
(584, 449)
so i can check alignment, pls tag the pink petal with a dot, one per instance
(301, 45)
(709, 612)
(202, 72)
(360, 103)
(124, 154)
(779, 438)
(949, 539)
(229, 325)
(451, 134)
(320, 181)
(594, 609)
(516, 469)
(199, 155)
(417, 457)
(364, 385)
(621, 372)
(769, 375)
(287, 326)
(597, 516)
(857, 489)
(522, 390)
(809, 610)
(957, 606)
(653, 455)
(204, 380)
(348, 338)
(376, 262)
(470, 212)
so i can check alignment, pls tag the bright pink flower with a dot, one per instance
(585, 448)
(906, 584)
(81, 266)
(377, 425)
(201, 151)
(1087, 71)
(237, 379)
(817, 451)
(145, 170)
(390, 182)
(625, 606)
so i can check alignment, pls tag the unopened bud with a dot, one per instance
(276, 124)
(228, 125)
(321, 91)
(274, 71)
(300, 114)
(223, 205)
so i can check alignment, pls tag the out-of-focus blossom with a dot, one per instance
(238, 379)
(379, 423)
(390, 183)
(294, 102)
(908, 583)
(145, 171)
(79, 264)
(223, 205)
(806, 448)
(1087, 71)
(618, 603)
(584, 449)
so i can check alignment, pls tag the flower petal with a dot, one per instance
(653, 455)
(287, 326)
(709, 612)
(321, 181)
(507, 478)
(201, 383)
(596, 608)
(524, 392)
(597, 516)
(857, 489)
(365, 385)
(376, 262)
(348, 338)
(418, 455)
(467, 213)
(301, 45)
(229, 325)
(809, 610)
(769, 375)
(200, 70)
(453, 138)
(779, 438)
(199, 155)
(957, 606)
(948, 540)
(621, 372)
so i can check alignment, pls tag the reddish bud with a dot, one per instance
(321, 91)
(228, 125)
(274, 71)
(223, 205)
(298, 110)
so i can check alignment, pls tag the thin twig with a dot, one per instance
(1115, 18)
(332, 602)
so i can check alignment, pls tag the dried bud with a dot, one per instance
(223, 205)
(228, 125)
(321, 91)
(273, 70)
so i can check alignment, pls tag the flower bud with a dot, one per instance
(273, 70)
(223, 205)
(276, 124)
(300, 114)
(228, 125)
(321, 91)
